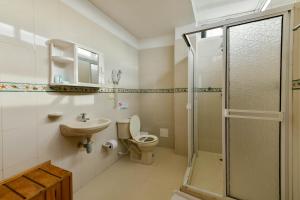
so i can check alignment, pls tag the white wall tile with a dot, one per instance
(17, 63)
(19, 145)
(49, 142)
(19, 110)
(15, 169)
(17, 29)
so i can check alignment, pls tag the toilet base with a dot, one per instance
(146, 157)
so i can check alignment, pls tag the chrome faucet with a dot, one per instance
(83, 117)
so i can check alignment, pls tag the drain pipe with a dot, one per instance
(87, 144)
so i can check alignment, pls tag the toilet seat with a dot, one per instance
(135, 131)
(146, 139)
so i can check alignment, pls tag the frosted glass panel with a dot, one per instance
(254, 64)
(254, 159)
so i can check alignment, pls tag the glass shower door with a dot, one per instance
(253, 109)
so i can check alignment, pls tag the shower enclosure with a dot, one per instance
(238, 108)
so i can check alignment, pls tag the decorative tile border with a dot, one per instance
(170, 90)
(180, 90)
(34, 87)
(208, 89)
(23, 87)
(37, 87)
(296, 84)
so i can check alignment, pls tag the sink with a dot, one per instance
(86, 129)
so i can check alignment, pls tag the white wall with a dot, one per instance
(27, 137)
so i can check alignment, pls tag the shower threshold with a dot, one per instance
(204, 178)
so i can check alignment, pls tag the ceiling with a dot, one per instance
(205, 10)
(155, 18)
(148, 18)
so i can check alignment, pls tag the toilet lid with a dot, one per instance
(135, 126)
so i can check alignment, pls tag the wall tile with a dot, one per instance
(181, 64)
(49, 142)
(17, 29)
(17, 63)
(157, 67)
(157, 111)
(180, 121)
(15, 169)
(19, 111)
(19, 145)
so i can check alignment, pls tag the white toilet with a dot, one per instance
(140, 144)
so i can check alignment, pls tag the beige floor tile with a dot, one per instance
(208, 172)
(126, 180)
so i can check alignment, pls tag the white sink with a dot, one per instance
(86, 129)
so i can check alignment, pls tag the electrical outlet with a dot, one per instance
(164, 132)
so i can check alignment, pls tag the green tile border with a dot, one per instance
(40, 87)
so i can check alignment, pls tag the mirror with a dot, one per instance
(89, 69)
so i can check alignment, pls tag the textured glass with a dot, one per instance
(209, 62)
(254, 84)
(210, 122)
(208, 105)
(208, 72)
(254, 65)
(254, 159)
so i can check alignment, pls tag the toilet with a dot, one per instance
(140, 144)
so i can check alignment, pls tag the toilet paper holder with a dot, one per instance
(107, 146)
(110, 145)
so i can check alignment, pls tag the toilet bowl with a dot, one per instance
(140, 144)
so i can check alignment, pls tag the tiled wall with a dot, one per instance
(180, 99)
(27, 136)
(156, 109)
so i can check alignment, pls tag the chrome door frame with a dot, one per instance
(190, 105)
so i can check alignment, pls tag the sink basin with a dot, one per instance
(86, 129)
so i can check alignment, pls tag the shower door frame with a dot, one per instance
(283, 116)
(286, 95)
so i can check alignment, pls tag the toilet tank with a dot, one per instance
(123, 129)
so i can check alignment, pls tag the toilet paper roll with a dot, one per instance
(111, 144)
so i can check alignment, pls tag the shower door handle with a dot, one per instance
(254, 114)
(188, 106)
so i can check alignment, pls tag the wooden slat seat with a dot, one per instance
(43, 182)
